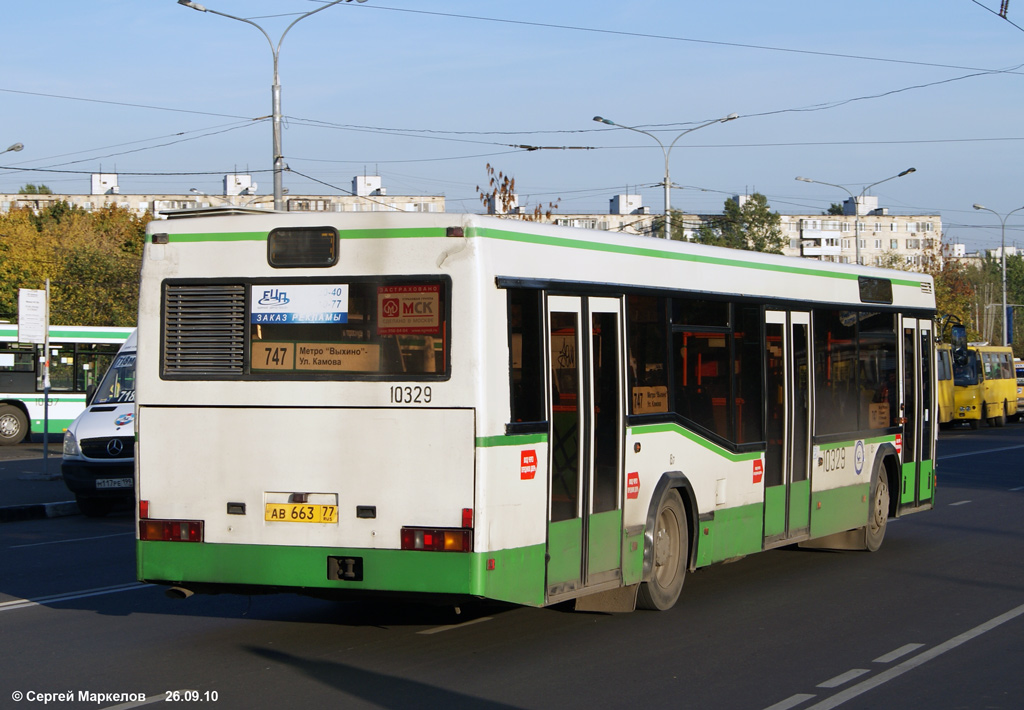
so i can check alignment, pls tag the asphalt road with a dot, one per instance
(935, 619)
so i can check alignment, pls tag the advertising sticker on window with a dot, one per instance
(409, 310)
(300, 303)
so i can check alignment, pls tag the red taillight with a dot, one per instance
(437, 540)
(467, 517)
(143, 509)
(171, 530)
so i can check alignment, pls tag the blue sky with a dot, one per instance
(427, 93)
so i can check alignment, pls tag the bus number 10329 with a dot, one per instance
(410, 395)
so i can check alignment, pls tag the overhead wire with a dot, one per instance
(671, 38)
(997, 14)
(519, 148)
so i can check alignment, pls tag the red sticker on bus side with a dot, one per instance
(633, 485)
(528, 464)
(899, 443)
(758, 470)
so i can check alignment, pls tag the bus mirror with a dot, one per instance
(958, 341)
(90, 393)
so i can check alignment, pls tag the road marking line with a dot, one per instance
(1018, 488)
(439, 629)
(77, 539)
(899, 653)
(918, 660)
(959, 502)
(976, 453)
(23, 603)
(790, 702)
(844, 678)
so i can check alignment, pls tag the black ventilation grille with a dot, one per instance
(204, 330)
(108, 447)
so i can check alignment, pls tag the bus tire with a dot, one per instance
(878, 514)
(974, 423)
(13, 425)
(1001, 419)
(670, 552)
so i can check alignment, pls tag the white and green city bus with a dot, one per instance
(467, 406)
(79, 355)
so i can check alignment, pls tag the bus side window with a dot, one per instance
(835, 372)
(526, 355)
(648, 381)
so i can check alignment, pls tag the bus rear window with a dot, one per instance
(874, 290)
(353, 329)
(291, 247)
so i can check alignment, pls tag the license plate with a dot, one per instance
(115, 482)
(300, 513)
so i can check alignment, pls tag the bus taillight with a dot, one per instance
(437, 540)
(171, 530)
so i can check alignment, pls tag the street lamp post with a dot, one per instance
(275, 89)
(857, 201)
(1002, 254)
(667, 152)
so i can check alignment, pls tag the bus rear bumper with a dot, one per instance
(514, 575)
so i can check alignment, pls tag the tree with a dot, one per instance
(750, 225)
(679, 225)
(31, 189)
(955, 293)
(1015, 294)
(834, 209)
(892, 260)
(501, 193)
(91, 258)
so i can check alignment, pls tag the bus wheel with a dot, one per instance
(878, 516)
(973, 423)
(1001, 419)
(13, 425)
(669, 556)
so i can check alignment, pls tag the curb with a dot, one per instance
(14, 513)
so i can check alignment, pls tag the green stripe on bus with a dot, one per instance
(677, 429)
(839, 509)
(674, 256)
(57, 426)
(546, 240)
(417, 233)
(511, 440)
(218, 237)
(60, 334)
(887, 439)
(733, 532)
(514, 575)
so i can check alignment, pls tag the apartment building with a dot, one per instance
(865, 231)
(368, 195)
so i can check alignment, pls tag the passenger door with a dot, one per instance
(917, 442)
(787, 489)
(585, 417)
